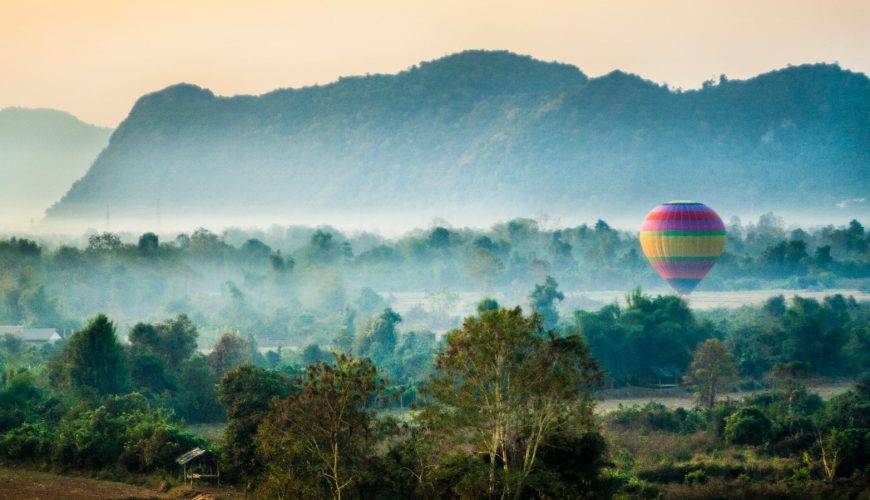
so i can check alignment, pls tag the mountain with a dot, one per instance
(487, 135)
(42, 151)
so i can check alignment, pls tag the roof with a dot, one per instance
(31, 334)
(190, 455)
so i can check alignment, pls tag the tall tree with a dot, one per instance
(93, 360)
(378, 340)
(174, 340)
(502, 386)
(543, 299)
(231, 351)
(246, 393)
(320, 441)
(712, 371)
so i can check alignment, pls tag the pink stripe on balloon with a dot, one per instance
(678, 225)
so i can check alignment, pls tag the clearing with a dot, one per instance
(27, 484)
(679, 397)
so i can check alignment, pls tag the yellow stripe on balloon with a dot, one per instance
(688, 246)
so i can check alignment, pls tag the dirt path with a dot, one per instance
(22, 484)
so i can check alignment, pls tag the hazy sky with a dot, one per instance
(93, 58)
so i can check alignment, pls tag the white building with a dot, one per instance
(32, 335)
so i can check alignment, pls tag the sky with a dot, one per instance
(94, 58)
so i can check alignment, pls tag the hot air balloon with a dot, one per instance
(682, 240)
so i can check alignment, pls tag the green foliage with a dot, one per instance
(174, 340)
(93, 361)
(503, 387)
(319, 442)
(378, 340)
(748, 426)
(22, 401)
(653, 417)
(196, 395)
(122, 430)
(246, 393)
(543, 300)
(696, 477)
(712, 371)
(648, 341)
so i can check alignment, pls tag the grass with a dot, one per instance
(211, 432)
(612, 399)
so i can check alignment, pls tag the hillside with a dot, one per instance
(489, 133)
(42, 152)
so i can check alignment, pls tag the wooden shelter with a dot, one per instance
(199, 464)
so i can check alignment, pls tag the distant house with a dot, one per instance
(32, 335)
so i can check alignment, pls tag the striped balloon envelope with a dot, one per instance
(682, 240)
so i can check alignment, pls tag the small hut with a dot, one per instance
(199, 464)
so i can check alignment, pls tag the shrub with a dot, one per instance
(26, 442)
(657, 417)
(124, 429)
(748, 426)
(154, 444)
(696, 477)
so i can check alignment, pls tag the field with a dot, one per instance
(679, 397)
(25, 484)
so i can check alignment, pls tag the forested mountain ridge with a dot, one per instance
(42, 151)
(489, 132)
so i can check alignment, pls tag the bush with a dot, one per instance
(657, 417)
(748, 426)
(124, 429)
(696, 477)
(154, 444)
(26, 442)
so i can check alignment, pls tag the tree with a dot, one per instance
(149, 245)
(487, 304)
(255, 250)
(484, 264)
(196, 396)
(246, 393)
(104, 242)
(712, 371)
(325, 249)
(748, 426)
(230, 352)
(775, 306)
(543, 299)
(149, 371)
(313, 354)
(94, 360)
(648, 339)
(319, 442)
(174, 340)
(378, 341)
(502, 387)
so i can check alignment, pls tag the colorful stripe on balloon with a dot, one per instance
(682, 240)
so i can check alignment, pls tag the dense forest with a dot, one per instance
(501, 406)
(291, 356)
(481, 136)
(293, 286)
